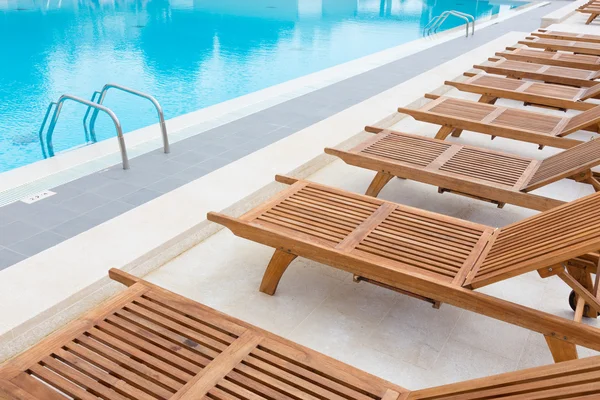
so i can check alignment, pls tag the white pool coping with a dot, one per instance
(44, 291)
(65, 167)
(563, 13)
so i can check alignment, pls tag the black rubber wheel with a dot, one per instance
(573, 300)
(573, 304)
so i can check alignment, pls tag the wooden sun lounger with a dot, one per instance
(493, 87)
(592, 9)
(580, 37)
(572, 380)
(573, 46)
(456, 115)
(433, 257)
(472, 171)
(578, 61)
(147, 343)
(544, 73)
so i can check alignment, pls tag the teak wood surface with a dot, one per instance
(151, 344)
(454, 115)
(573, 46)
(493, 87)
(580, 37)
(541, 72)
(560, 59)
(480, 173)
(426, 254)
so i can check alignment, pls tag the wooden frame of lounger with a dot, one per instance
(573, 46)
(560, 59)
(455, 115)
(492, 87)
(545, 73)
(434, 257)
(592, 9)
(468, 170)
(580, 37)
(147, 343)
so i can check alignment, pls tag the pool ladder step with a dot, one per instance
(434, 25)
(95, 104)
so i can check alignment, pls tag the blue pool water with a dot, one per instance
(189, 54)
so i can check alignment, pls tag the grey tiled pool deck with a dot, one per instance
(27, 229)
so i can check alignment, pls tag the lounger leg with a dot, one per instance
(487, 99)
(380, 180)
(277, 266)
(591, 18)
(444, 132)
(561, 350)
(456, 132)
(594, 182)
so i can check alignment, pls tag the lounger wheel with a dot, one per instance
(573, 303)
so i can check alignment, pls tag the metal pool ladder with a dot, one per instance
(436, 23)
(90, 135)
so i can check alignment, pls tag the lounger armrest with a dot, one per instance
(288, 180)
(123, 277)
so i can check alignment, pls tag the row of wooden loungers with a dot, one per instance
(441, 259)
(148, 343)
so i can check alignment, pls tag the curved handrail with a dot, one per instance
(98, 107)
(468, 16)
(159, 110)
(437, 22)
(41, 131)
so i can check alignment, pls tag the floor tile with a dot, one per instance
(50, 217)
(115, 190)
(109, 211)
(423, 329)
(75, 226)
(37, 243)
(168, 184)
(190, 158)
(140, 197)
(17, 231)
(134, 176)
(9, 257)
(85, 202)
(459, 362)
(489, 334)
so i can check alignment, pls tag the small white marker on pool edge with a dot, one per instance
(38, 196)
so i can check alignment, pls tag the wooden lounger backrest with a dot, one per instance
(545, 239)
(581, 121)
(590, 92)
(147, 343)
(578, 379)
(565, 164)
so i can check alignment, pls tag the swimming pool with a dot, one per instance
(188, 54)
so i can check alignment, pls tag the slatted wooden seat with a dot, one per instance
(573, 46)
(480, 173)
(455, 115)
(580, 37)
(430, 256)
(572, 380)
(578, 61)
(493, 87)
(147, 343)
(545, 73)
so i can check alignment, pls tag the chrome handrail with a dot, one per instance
(159, 110)
(98, 107)
(437, 22)
(41, 131)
